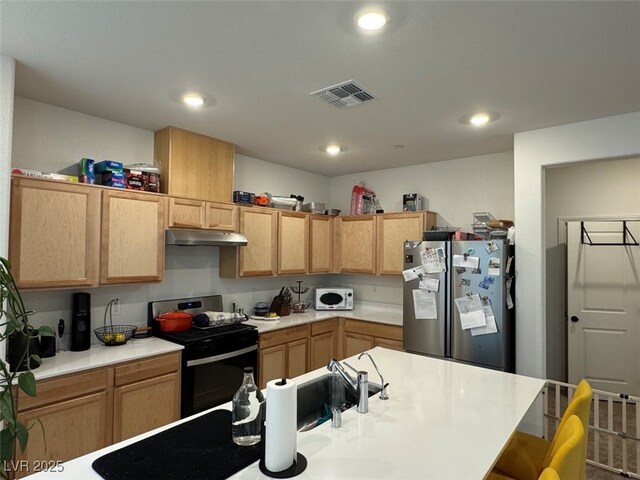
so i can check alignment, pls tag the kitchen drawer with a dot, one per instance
(325, 326)
(66, 387)
(382, 330)
(153, 367)
(285, 335)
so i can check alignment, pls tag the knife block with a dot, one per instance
(280, 309)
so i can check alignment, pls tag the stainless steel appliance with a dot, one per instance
(213, 358)
(437, 330)
(338, 298)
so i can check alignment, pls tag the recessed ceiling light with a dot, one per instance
(480, 119)
(193, 100)
(372, 19)
(333, 149)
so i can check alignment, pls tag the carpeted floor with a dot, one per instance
(633, 447)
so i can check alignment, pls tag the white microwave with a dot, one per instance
(334, 298)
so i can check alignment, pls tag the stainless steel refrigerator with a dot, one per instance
(476, 273)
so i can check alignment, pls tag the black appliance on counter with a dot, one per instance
(81, 322)
(213, 358)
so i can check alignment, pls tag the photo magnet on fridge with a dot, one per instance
(492, 247)
(487, 282)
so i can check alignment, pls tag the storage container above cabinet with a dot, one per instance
(194, 165)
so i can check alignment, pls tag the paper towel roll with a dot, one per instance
(281, 435)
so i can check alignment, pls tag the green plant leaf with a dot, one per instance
(6, 444)
(45, 331)
(27, 383)
(36, 358)
(6, 263)
(6, 408)
(11, 327)
(22, 434)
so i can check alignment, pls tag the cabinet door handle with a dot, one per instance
(574, 319)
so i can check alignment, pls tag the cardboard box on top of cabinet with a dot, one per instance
(141, 180)
(86, 172)
(107, 166)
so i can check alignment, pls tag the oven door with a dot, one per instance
(208, 382)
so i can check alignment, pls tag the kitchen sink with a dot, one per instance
(314, 401)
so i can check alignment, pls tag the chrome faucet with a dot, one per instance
(383, 392)
(360, 387)
(335, 367)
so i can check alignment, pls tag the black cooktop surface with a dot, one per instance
(195, 335)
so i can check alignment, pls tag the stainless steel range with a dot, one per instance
(213, 358)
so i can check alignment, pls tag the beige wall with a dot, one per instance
(453, 188)
(595, 189)
(54, 139)
(7, 83)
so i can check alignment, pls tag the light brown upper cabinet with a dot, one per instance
(258, 258)
(293, 242)
(194, 165)
(132, 249)
(356, 244)
(392, 231)
(221, 216)
(320, 244)
(54, 233)
(187, 213)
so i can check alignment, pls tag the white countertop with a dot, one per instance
(100, 356)
(443, 420)
(369, 311)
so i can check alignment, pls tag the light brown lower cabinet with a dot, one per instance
(323, 343)
(79, 413)
(65, 430)
(283, 353)
(296, 350)
(140, 385)
(355, 343)
(359, 336)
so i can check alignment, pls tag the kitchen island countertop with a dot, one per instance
(443, 420)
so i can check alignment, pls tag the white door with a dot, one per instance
(603, 300)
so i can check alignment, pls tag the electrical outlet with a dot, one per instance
(253, 293)
(115, 307)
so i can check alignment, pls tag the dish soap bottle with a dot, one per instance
(247, 411)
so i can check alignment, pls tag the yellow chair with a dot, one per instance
(567, 457)
(526, 456)
(549, 474)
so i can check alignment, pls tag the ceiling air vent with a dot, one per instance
(345, 94)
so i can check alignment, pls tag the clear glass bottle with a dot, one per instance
(247, 411)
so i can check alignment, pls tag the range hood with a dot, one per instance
(194, 237)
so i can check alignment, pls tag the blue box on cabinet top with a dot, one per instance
(107, 166)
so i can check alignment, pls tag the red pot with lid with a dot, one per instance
(174, 321)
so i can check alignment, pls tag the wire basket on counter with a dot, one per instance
(113, 335)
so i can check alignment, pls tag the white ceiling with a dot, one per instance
(537, 64)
